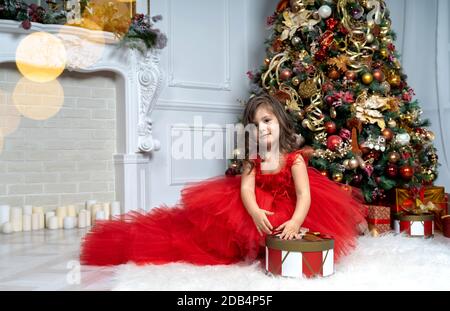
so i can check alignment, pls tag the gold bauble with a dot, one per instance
(394, 80)
(295, 81)
(345, 163)
(367, 78)
(393, 157)
(384, 53)
(370, 37)
(307, 88)
(353, 163)
(267, 61)
(338, 176)
(392, 123)
(397, 64)
(430, 135)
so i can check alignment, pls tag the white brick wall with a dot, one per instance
(66, 159)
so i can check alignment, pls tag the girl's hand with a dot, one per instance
(290, 229)
(261, 221)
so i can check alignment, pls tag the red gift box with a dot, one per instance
(379, 219)
(300, 257)
(415, 225)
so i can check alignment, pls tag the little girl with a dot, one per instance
(224, 220)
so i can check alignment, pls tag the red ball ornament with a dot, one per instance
(407, 172)
(330, 127)
(286, 74)
(392, 170)
(333, 142)
(356, 180)
(329, 99)
(350, 75)
(378, 75)
(387, 133)
(334, 74)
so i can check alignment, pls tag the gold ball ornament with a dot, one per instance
(393, 157)
(295, 81)
(370, 38)
(367, 78)
(338, 176)
(346, 163)
(394, 80)
(384, 53)
(430, 136)
(392, 123)
(267, 61)
(353, 163)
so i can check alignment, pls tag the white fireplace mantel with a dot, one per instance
(140, 84)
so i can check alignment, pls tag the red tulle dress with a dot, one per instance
(210, 224)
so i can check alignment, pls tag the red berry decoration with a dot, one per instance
(330, 127)
(333, 142)
(406, 172)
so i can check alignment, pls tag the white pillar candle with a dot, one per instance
(69, 222)
(7, 228)
(35, 221)
(107, 210)
(71, 211)
(94, 209)
(40, 211)
(16, 219)
(53, 222)
(4, 214)
(82, 219)
(61, 212)
(100, 215)
(47, 217)
(89, 203)
(26, 222)
(27, 210)
(115, 209)
(88, 218)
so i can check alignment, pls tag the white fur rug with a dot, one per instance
(385, 263)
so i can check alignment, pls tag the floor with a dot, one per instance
(47, 260)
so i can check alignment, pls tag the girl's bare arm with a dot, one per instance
(302, 190)
(248, 189)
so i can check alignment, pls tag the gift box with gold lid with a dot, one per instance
(311, 255)
(421, 225)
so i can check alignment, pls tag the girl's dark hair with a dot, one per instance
(288, 141)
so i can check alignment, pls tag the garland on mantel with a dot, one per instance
(136, 32)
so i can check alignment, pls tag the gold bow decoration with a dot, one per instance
(369, 109)
(293, 21)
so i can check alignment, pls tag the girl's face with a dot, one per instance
(267, 127)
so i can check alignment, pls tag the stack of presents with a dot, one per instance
(415, 212)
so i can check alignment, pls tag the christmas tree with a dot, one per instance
(333, 63)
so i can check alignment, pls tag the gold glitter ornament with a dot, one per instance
(307, 88)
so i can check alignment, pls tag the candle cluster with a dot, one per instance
(29, 218)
